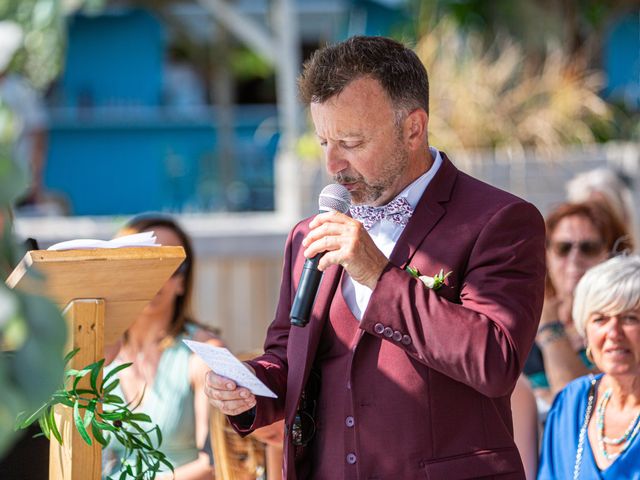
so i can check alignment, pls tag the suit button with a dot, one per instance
(388, 332)
(351, 458)
(378, 328)
(406, 340)
(397, 336)
(349, 421)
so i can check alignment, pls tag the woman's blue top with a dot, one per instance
(560, 441)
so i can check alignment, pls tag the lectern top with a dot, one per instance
(126, 278)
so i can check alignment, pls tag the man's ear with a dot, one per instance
(415, 129)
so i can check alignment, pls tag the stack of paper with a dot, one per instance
(144, 239)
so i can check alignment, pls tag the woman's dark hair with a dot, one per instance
(182, 306)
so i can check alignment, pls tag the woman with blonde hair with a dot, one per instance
(593, 427)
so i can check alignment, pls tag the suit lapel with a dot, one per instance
(427, 213)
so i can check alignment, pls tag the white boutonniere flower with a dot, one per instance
(434, 283)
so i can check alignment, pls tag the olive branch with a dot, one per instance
(108, 417)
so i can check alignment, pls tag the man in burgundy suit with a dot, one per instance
(394, 377)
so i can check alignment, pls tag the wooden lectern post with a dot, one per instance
(102, 291)
(85, 319)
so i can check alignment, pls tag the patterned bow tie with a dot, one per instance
(399, 211)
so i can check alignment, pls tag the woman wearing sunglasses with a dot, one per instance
(579, 236)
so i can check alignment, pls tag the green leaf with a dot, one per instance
(140, 417)
(89, 413)
(97, 434)
(44, 426)
(158, 435)
(70, 355)
(79, 378)
(80, 425)
(413, 271)
(140, 444)
(103, 425)
(95, 368)
(138, 462)
(147, 440)
(116, 415)
(111, 386)
(113, 372)
(84, 391)
(166, 462)
(113, 399)
(125, 441)
(53, 427)
(20, 424)
(72, 372)
(63, 398)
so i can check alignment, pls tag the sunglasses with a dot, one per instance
(303, 429)
(587, 248)
(304, 426)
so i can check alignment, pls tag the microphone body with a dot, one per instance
(306, 293)
(333, 197)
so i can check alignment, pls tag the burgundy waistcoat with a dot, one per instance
(335, 439)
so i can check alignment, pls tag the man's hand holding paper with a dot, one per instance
(231, 385)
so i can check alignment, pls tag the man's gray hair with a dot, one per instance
(612, 287)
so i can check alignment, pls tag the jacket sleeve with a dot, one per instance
(482, 341)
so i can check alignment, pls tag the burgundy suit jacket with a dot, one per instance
(442, 407)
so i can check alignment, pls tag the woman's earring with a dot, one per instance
(588, 354)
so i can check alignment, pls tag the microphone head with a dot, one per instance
(334, 197)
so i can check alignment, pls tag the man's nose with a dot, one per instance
(335, 162)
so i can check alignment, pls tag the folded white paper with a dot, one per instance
(224, 363)
(144, 239)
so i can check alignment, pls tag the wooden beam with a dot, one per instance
(244, 28)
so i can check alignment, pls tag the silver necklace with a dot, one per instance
(628, 436)
(583, 429)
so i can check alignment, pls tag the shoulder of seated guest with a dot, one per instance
(203, 333)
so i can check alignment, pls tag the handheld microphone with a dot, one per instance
(333, 197)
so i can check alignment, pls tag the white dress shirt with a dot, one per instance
(385, 234)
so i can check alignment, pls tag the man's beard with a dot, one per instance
(370, 191)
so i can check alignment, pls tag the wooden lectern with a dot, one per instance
(101, 292)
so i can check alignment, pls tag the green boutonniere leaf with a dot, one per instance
(434, 282)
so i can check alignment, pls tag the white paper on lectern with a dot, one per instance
(143, 239)
(224, 363)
